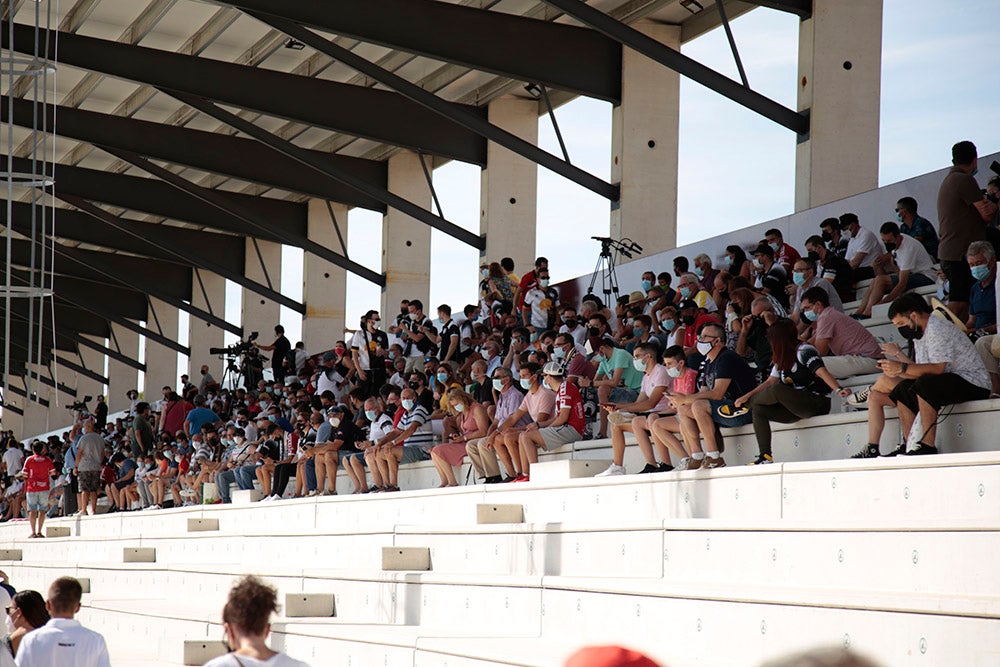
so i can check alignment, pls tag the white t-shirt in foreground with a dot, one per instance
(233, 660)
(63, 642)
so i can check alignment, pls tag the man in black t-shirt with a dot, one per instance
(832, 267)
(279, 349)
(723, 377)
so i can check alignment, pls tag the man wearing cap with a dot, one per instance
(617, 380)
(328, 378)
(564, 428)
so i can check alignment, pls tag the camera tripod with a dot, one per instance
(605, 268)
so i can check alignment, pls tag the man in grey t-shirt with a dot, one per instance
(89, 458)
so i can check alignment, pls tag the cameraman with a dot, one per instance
(280, 347)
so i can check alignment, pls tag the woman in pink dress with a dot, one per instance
(473, 424)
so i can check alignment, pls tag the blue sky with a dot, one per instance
(939, 85)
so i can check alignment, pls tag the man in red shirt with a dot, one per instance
(528, 281)
(564, 428)
(38, 472)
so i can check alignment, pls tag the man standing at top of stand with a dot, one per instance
(279, 349)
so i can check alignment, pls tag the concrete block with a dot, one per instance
(84, 583)
(202, 525)
(316, 605)
(57, 531)
(487, 513)
(139, 555)
(560, 471)
(241, 497)
(10, 554)
(200, 651)
(406, 558)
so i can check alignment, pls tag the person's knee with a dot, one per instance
(639, 424)
(700, 407)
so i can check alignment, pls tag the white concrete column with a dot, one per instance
(38, 418)
(201, 334)
(122, 377)
(509, 191)
(161, 361)
(406, 242)
(840, 74)
(260, 313)
(644, 146)
(325, 283)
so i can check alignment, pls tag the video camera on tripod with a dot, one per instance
(236, 349)
(605, 269)
(80, 406)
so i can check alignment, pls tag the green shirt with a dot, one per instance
(620, 358)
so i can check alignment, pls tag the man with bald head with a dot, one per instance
(409, 443)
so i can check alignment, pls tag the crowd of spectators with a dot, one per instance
(762, 338)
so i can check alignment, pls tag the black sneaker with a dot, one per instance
(762, 459)
(901, 449)
(648, 469)
(494, 479)
(871, 451)
(922, 448)
(664, 467)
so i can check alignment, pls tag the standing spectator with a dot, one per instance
(199, 417)
(784, 254)
(448, 338)
(913, 225)
(369, 347)
(27, 613)
(175, 410)
(38, 472)
(832, 268)
(63, 641)
(101, 413)
(539, 304)
(142, 432)
(798, 387)
(207, 383)
(862, 247)
(962, 210)
(914, 265)
(13, 458)
(528, 280)
(414, 330)
(681, 265)
(279, 350)
(89, 458)
(507, 264)
(565, 428)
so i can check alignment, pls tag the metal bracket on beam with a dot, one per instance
(732, 42)
(430, 182)
(263, 266)
(441, 107)
(544, 93)
(336, 226)
(204, 292)
(682, 64)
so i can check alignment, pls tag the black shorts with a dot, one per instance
(937, 390)
(863, 273)
(959, 279)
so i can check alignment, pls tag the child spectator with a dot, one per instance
(38, 472)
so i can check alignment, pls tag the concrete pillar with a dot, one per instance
(260, 313)
(325, 283)
(122, 377)
(840, 68)
(644, 146)
(161, 361)
(37, 418)
(201, 334)
(406, 242)
(509, 191)
(12, 421)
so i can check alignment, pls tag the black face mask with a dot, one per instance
(593, 332)
(890, 246)
(688, 319)
(910, 333)
(404, 311)
(827, 236)
(413, 385)
(570, 324)
(813, 256)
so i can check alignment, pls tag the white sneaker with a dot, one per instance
(612, 471)
(859, 399)
(275, 497)
(267, 499)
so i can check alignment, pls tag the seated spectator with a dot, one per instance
(862, 247)
(538, 404)
(946, 371)
(982, 306)
(834, 241)
(473, 424)
(772, 278)
(283, 456)
(723, 377)
(832, 268)
(236, 466)
(916, 227)
(330, 451)
(784, 254)
(680, 265)
(798, 388)
(27, 613)
(617, 380)
(246, 619)
(752, 340)
(653, 401)
(804, 278)
(573, 356)
(664, 428)
(720, 290)
(692, 321)
(670, 328)
(268, 452)
(905, 267)
(565, 427)
(689, 288)
(736, 261)
(571, 325)
(409, 443)
(706, 274)
(648, 281)
(482, 451)
(848, 348)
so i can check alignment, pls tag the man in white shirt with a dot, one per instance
(862, 247)
(12, 459)
(905, 267)
(63, 642)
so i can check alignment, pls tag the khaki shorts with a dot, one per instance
(557, 436)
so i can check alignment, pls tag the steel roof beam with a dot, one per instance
(82, 370)
(223, 154)
(576, 59)
(356, 110)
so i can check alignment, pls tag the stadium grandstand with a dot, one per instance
(772, 447)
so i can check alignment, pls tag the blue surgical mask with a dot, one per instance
(674, 371)
(647, 285)
(668, 325)
(981, 272)
(558, 353)
(525, 384)
(774, 246)
(638, 331)
(799, 278)
(370, 415)
(809, 315)
(685, 292)
(700, 272)
(442, 377)
(407, 404)
(728, 260)
(899, 216)
(498, 384)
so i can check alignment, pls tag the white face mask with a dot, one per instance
(704, 348)
(10, 625)
(674, 371)
(335, 422)
(460, 407)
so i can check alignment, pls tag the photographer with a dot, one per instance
(280, 347)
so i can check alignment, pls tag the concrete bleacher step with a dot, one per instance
(246, 497)
(406, 558)
(556, 471)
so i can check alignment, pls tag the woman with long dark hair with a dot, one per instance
(799, 386)
(27, 612)
(736, 261)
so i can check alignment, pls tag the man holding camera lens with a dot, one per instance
(280, 349)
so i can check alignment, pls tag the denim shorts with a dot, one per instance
(38, 501)
(623, 395)
(360, 456)
(414, 454)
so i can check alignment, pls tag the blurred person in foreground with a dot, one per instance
(62, 641)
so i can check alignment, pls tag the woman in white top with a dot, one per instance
(247, 622)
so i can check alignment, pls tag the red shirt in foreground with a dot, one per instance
(37, 468)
